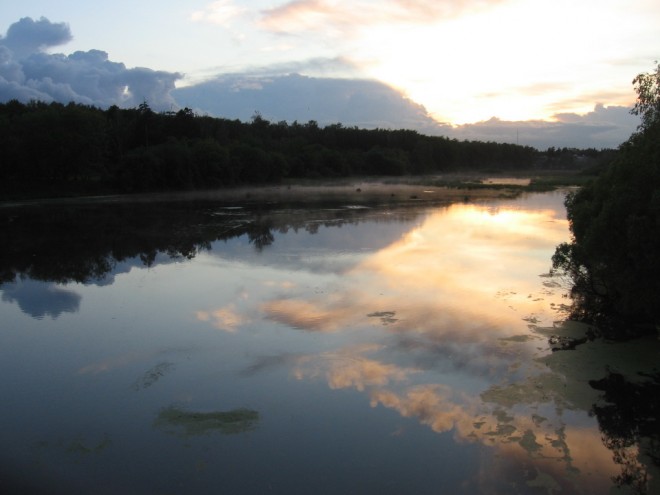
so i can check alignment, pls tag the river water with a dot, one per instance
(232, 348)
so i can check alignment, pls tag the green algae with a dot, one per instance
(545, 482)
(545, 387)
(386, 317)
(538, 420)
(502, 416)
(81, 446)
(518, 338)
(529, 443)
(176, 420)
(502, 430)
(152, 375)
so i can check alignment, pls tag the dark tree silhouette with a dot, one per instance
(614, 258)
(50, 149)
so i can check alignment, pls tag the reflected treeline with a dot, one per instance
(628, 420)
(64, 243)
(260, 234)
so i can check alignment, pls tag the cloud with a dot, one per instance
(227, 318)
(28, 36)
(371, 104)
(350, 368)
(39, 299)
(220, 12)
(27, 72)
(604, 127)
(279, 92)
(432, 405)
(340, 18)
(293, 97)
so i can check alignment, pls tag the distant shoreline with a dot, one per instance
(443, 189)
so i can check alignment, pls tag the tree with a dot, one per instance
(647, 86)
(614, 256)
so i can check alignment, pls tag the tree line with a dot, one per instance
(60, 148)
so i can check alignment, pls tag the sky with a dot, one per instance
(556, 72)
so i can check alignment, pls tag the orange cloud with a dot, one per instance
(227, 318)
(430, 404)
(517, 431)
(349, 368)
(306, 315)
(341, 17)
(430, 288)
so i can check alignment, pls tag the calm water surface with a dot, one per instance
(218, 349)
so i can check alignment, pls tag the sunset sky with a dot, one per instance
(465, 61)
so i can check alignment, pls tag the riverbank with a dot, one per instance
(437, 189)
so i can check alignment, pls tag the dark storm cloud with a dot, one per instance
(27, 72)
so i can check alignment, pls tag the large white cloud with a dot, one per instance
(28, 72)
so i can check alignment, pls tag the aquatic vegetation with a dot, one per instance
(80, 445)
(152, 375)
(173, 419)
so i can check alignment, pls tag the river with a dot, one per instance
(230, 348)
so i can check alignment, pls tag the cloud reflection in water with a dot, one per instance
(430, 324)
(459, 284)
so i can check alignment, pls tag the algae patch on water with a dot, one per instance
(386, 317)
(80, 445)
(178, 421)
(152, 375)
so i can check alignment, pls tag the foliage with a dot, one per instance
(615, 221)
(52, 149)
(647, 86)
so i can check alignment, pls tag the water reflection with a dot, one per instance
(39, 299)
(531, 423)
(449, 329)
(628, 419)
(398, 350)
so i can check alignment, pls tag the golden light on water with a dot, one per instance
(460, 270)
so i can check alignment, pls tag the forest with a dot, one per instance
(54, 149)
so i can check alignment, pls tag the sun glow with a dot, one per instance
(515, 61)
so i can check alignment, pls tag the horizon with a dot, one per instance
(474, 70)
